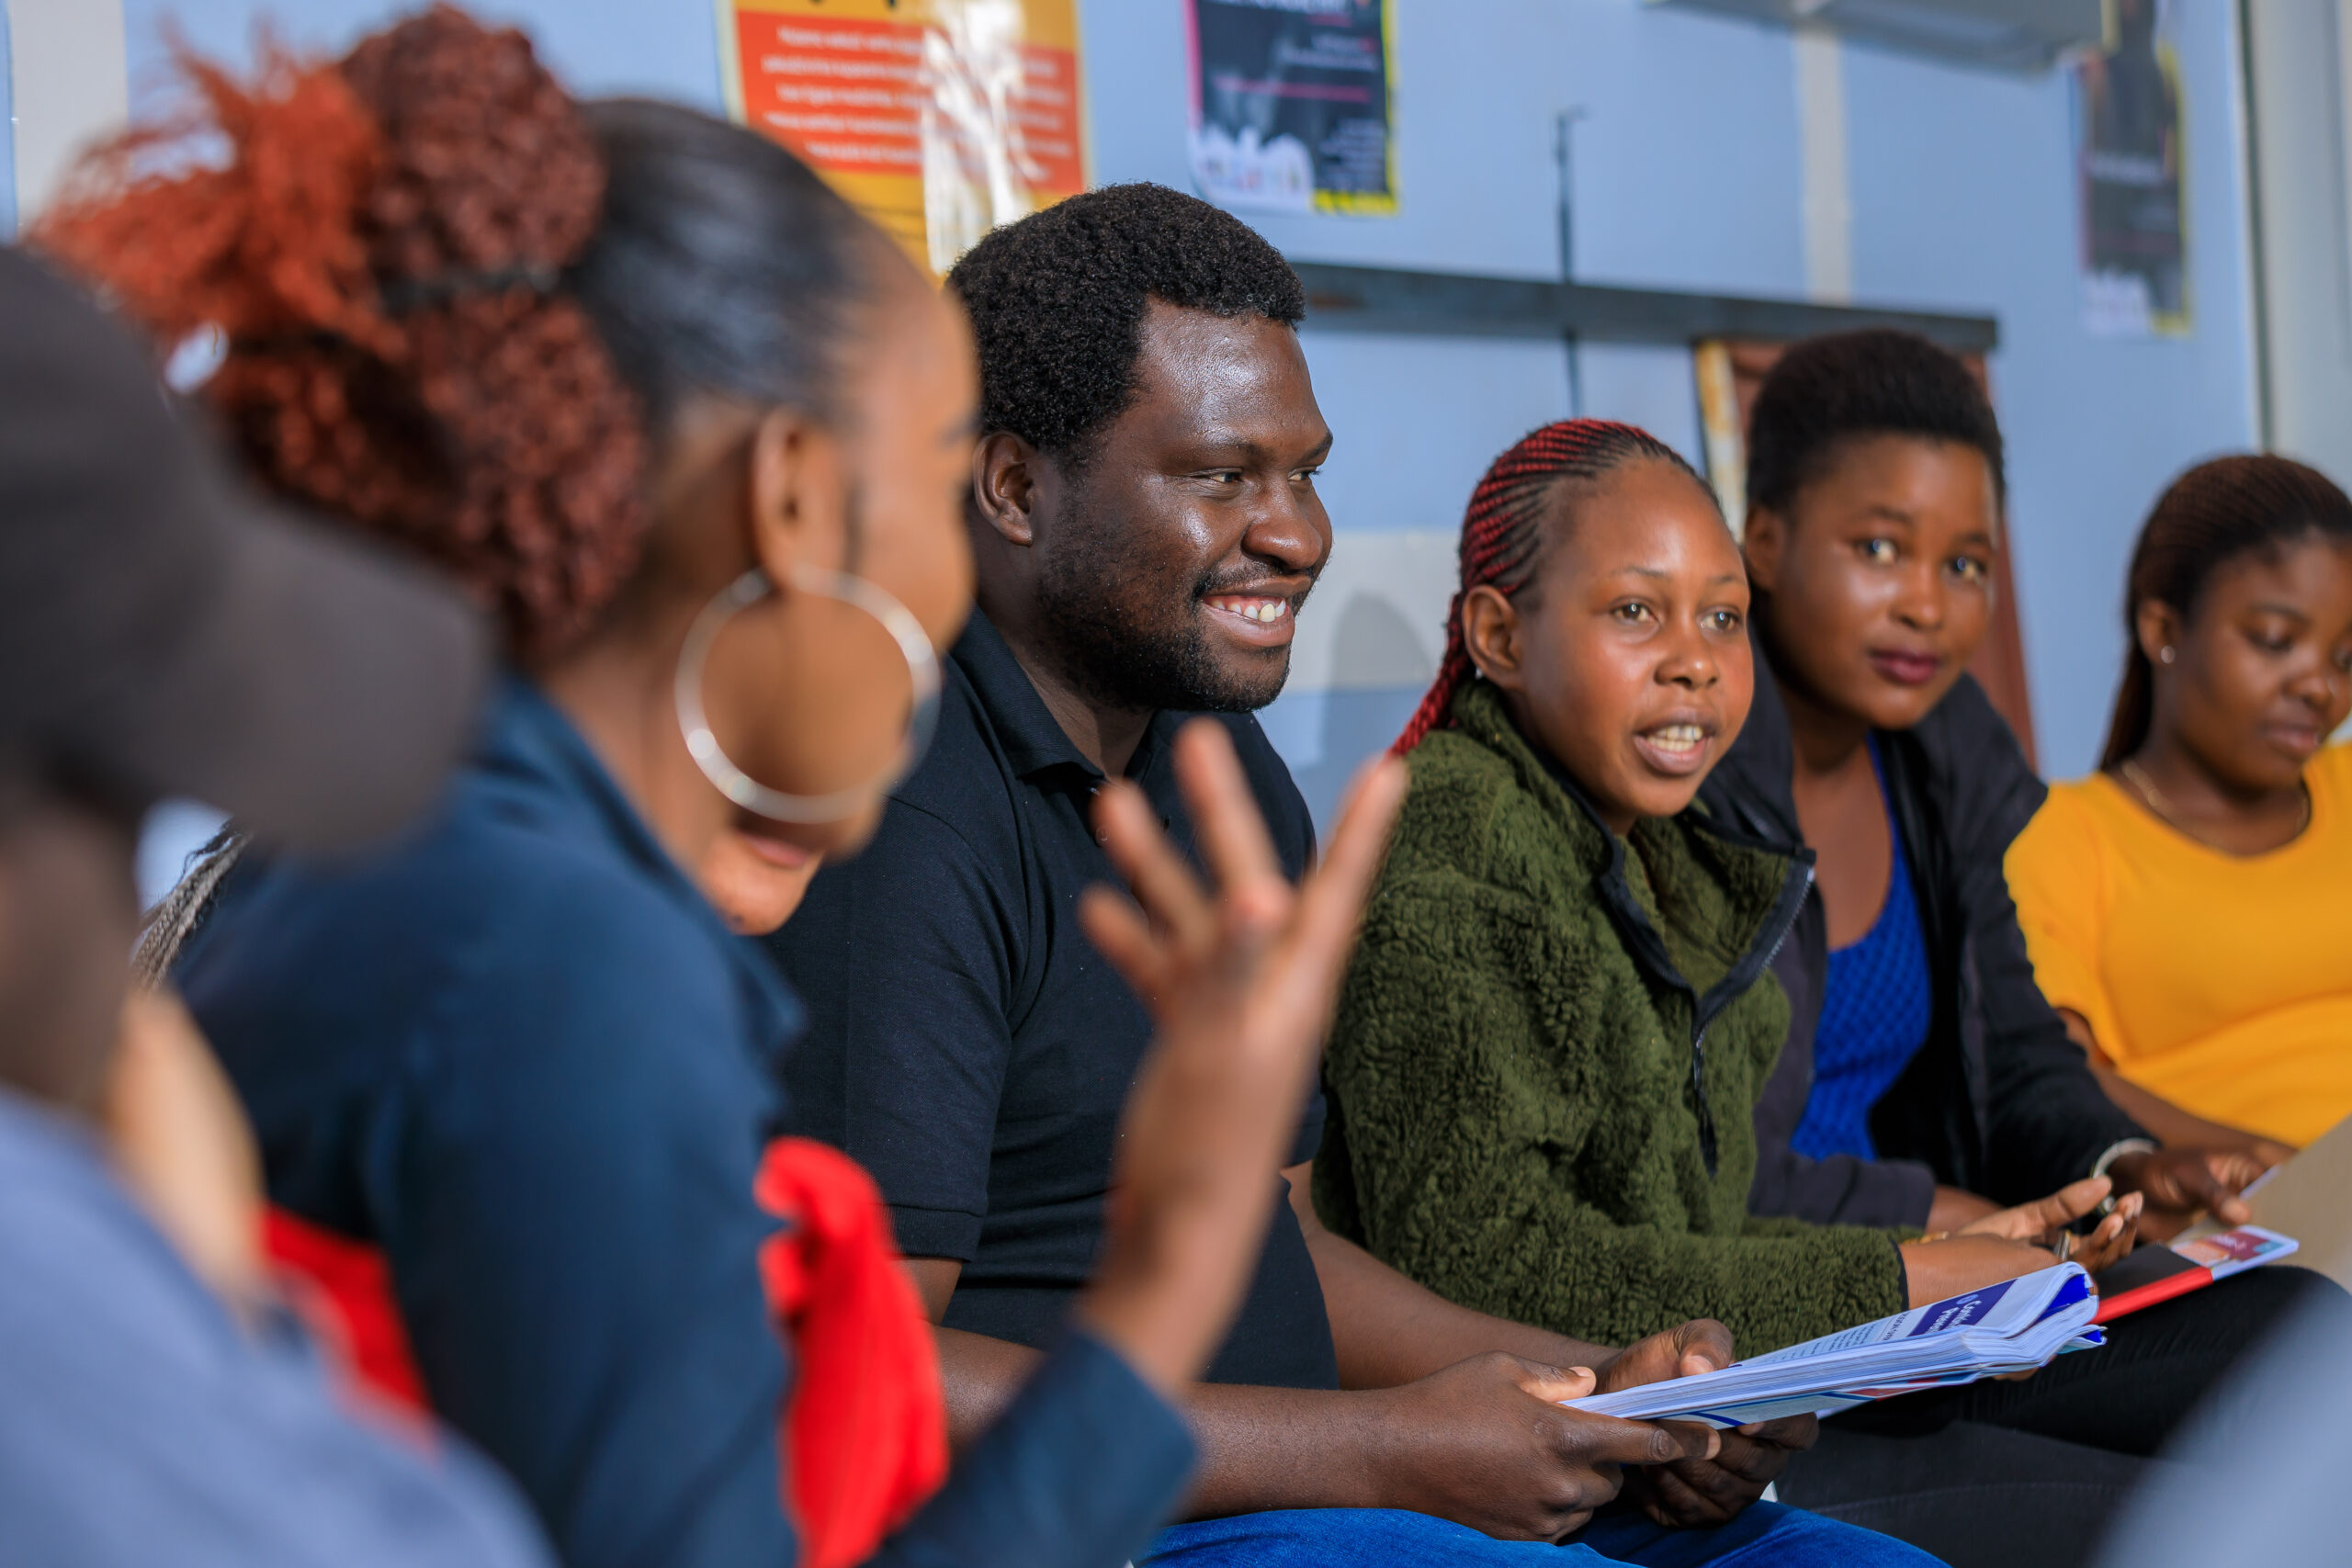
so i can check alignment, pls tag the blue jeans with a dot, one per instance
(1766, 1533)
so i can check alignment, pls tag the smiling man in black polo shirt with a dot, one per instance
(1146, 527)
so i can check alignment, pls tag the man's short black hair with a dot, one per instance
(1057, 302)
(1829, 390)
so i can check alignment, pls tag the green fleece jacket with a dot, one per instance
(1548, 1050)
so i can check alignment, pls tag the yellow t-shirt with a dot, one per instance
(2222, 982)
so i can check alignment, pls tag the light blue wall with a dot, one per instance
(1687, 176)
(668, 48)
(7, 136)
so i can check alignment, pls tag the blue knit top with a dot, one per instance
(1875, 1012)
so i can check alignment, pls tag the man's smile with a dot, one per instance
(1261, 620)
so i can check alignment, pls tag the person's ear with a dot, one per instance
(1494, 636)
(796, 492)
(1762, 542)
(1004, 487)
(2158, 627)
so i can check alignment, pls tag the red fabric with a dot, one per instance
(867, 1426)
(344, 1291)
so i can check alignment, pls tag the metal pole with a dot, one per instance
(1564, 163)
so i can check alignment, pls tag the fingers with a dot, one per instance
(2041, 1219)
(1171, 895)
(2075, 1200)
(1604, 1439)
(2111, 1240)
(1555, 1385)
(1333, 898)
(2062, 1208)
(1750, 1460)
(2194, 1180)
(2230, 1173)
(1699, 1346)
(1691, 1440)
(1119, 931)
(1705, 1345)
(2188, 1179)
(1176, 922)
(1233, 838)
(1680, 1500)
(1794, 1433)
(1571, 1523)
(1365, 810)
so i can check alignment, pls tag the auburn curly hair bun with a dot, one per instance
(381, 243)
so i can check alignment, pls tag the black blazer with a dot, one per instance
(1999, 1100)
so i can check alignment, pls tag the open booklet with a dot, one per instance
(2014, 1327)
(2158, 1273)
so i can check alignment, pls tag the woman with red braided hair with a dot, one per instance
(1552, 1038)
(1553, 912)
(699, 437)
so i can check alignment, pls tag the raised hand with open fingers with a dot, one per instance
(1240, 973)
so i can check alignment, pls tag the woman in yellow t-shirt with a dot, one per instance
(2189, 908)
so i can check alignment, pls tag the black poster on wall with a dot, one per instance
(1291, 105)
(2128, 150)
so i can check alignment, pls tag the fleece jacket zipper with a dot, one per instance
(1649, 947)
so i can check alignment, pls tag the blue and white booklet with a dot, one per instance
(2014, 1327)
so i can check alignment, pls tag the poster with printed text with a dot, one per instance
(2133, 190)
(938, 119)
(1291, 105)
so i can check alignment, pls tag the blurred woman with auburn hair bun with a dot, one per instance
(2187, 905)
(698, 436)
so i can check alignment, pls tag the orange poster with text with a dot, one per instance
(938, 119)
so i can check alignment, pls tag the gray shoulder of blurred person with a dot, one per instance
(2268, 1455)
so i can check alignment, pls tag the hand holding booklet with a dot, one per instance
(2014, 1327)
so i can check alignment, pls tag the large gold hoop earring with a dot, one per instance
(914, 646)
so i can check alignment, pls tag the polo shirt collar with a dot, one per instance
(1035, 742)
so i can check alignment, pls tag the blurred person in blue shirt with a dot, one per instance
(158, 634)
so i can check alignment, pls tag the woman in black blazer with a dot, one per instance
(1925, 1080)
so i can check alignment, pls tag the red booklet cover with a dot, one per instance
(2155, 1274)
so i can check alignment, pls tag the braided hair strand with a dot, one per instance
(1503, 532)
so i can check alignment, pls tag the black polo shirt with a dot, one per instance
(971, 1047)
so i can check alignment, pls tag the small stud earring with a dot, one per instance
(2164, 654)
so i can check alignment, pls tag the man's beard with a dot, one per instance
(1150, 655)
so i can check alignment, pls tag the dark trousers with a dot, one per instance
(2016, 1475)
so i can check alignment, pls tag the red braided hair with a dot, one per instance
(1502, 534)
